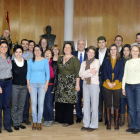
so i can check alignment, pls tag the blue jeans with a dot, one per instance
(48, 105)
(133, 98)
(5, 99)
(37, 93)
(123, 102)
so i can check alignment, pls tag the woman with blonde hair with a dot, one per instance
(7, 35)
(131, 88)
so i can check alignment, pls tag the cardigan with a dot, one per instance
(118, 73)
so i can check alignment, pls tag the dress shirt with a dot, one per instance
(83, 54)
(101, 56)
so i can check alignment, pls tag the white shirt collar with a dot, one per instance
(19, 64)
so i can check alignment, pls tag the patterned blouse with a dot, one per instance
(67, 75)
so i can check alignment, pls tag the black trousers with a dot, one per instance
(64, 113)
(116, 97)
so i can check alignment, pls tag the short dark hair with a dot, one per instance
(101, 38)
(118, 36)
(50, 51)
(126, 45)
(8, 54)
(31, 41)
(68, 44)
(137, 34)
(39, 46)
(17, 47)
(24, 40)
(117, 55)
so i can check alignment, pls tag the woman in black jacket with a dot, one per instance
(49, 97)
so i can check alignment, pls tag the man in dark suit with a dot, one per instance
(119, 41)
(101, 54)
(82, 56)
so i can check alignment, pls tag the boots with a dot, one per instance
(108, 115)
(34, 126)
(116, 119)
(39, 127)
(122, 119)
(128, 119)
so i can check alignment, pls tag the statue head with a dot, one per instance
(48, 29)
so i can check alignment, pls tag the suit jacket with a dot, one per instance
(118, 70)
(97, 57)
(121, 53)
(76, 54)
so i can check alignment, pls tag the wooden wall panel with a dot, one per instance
(57, 21)
(1, 16)
(110, 20)
(94, 21)
(125, 20)
(92, 18)
(42, 18)
(27, 19)
(14, 17)
(80, 21)
(136, 19)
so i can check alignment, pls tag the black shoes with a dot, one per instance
(27, 122)
(100, 120)
(78, 120)
(0, 131)
(9, 130)
(22, 126)
(135, 131)
(16, 127)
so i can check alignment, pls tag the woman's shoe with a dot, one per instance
(22, 126)
(16, 127)
(122, 119)
(34, 126)
(39, 126)
(65, 125)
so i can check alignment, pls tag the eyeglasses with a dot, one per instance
(55, 49)
(43, 42)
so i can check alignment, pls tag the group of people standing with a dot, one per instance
(109, 76)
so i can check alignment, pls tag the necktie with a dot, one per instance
(81, 58)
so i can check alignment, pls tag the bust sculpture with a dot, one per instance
(50, 37)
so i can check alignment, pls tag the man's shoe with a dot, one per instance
(135, 131)
(130, 130)
(84, 128)
(0, 131)
(27, 122)
(90, 129)
(16, 127)
(22, 126)
(9, 130)
(78, 120)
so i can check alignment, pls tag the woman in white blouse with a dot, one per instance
(131, 88)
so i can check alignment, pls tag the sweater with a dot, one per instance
(38, 71)
(131, 72)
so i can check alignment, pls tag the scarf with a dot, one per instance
(88, 62)
(51, 69)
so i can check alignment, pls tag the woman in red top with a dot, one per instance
(49, 97)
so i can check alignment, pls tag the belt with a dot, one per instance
(5, 79)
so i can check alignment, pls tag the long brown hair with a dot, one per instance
(117, 55)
